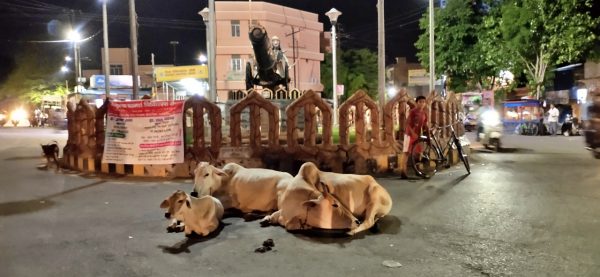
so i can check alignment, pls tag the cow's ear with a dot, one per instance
(187, 203)
(323, 188)
(220, 172)
(164, 204)
(309, 203)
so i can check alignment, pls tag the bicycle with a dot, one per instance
(427, 153)
(528, 129)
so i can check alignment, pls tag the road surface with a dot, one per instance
(533, 210)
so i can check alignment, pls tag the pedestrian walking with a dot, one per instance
(416, 124)
(553, 120)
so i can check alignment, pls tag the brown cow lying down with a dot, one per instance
(245, 189)
(325, 200)
(200, 215)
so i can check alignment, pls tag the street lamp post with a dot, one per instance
(134, 49)
(105, 60)
(174, 43)
(431, 48)
(381, 56)
(333, 14)
(65, 69)
(210, 50)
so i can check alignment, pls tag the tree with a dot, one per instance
(458, 54)
(37, 89)
(37, 69)
(542, 34)
(356, 69)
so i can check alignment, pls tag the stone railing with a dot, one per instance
(374, 148)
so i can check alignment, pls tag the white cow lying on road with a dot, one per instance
(245, 189)
(325, 200)
(200, 215)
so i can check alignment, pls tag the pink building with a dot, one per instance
(293, 27)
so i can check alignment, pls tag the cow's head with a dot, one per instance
(327, 212)
(174, 203)
(207, 178)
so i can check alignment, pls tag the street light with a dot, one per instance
(68, 58)
(202, 58)
(333, 14)
(174, 43)
(205, 13)
(64, 68)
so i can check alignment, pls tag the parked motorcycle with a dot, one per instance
(490, 130)
(592, 137)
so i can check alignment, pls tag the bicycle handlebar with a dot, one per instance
(444, 127)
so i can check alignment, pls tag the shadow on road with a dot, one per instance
(504, 150)
(26, 206)
(24, 158)
(184, 245)
(427, 194)
(387, 225)
(41, 203)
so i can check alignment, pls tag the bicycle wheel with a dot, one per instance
(534, 129)
(461, 155)
(424, 158)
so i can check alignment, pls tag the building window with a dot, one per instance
(116, 69)
(236, 63)
(235, 28)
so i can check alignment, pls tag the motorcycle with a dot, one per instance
(591, 131)
(592, 140)
(490, 130)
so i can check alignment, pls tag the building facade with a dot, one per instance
(120, 64)
(298, 31)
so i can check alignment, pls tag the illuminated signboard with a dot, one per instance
(176, 73)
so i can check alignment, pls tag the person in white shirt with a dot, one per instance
(553, 120)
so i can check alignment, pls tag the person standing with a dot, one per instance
(416, 124)
(553, 120)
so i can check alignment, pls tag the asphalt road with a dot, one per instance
(532, 210)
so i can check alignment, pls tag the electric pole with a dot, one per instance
(134, 58)
(296, 64)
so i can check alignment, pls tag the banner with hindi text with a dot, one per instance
(144, 132)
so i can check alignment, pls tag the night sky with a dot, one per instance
(27, 22)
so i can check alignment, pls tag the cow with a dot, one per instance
(248, 190)
(200, 215)
(326, 200)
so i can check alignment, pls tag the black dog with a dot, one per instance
(51, 152)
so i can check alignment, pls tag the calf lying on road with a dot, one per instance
(200, 215)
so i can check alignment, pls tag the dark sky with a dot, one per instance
(27, 22)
